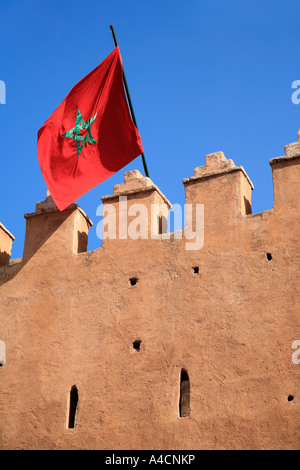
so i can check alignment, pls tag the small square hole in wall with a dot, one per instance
(269, 256)
(196, 269)
(137, 345)
(133, 281)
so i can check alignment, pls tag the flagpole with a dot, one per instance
(129, 100)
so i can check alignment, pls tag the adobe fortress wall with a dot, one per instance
(144, 344)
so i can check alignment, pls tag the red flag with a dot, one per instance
(90, 135)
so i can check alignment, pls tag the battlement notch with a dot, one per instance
(6, 241)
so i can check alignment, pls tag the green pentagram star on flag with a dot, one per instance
(75, 132)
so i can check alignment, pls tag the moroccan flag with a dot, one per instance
(90, 135)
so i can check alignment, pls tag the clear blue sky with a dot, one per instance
(204, 76)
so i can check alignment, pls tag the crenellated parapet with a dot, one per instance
(138, 209)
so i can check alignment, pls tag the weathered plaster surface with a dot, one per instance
(70, 317)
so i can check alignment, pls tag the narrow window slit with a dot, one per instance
(184, 400)
(269, 256)
(73, 407)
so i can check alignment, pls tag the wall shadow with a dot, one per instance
(248, 208)
(4, 258)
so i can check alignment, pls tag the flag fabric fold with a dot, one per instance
(90, 136)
